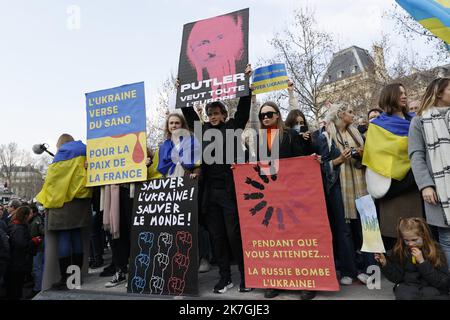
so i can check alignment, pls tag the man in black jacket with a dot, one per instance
(4, 252)
(221, 207)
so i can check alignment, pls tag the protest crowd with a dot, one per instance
(400, 159)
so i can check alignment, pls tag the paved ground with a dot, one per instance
(93, 288)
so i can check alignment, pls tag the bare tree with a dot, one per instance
(306, 51)
(11, 157)
(158, 113)
(22, 173)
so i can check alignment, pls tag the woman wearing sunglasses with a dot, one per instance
(273, 126)
(274, 131)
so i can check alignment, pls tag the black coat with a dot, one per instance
(220, 175)
(290, 146)
(22, 247)
(419, 275)
(4, 244)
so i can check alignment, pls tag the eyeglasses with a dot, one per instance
(269, 115)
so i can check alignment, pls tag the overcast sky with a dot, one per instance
(47, 65)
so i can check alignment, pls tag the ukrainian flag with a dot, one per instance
(66, 177)
(433, 15)
(152, 170)
(386, 147)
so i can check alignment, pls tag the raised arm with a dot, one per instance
(243, 109)
(293, 102)
(191, 116)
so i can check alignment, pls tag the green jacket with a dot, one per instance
(38, 230)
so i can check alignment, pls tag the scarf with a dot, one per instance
(271, 134)
(437, 136)
(353, 184)
(186, 153)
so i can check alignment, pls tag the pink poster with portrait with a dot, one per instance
(213, 58)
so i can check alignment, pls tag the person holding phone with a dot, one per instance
(296, 120)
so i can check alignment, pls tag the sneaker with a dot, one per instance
(271, 293)
(117, 279)
(242, 287)
(223, 285)
(346, 281)
(363, 278)
(205, 266)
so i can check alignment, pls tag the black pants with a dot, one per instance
(121, 247)
(404, 291)
(223, 224)
(342, 234)
(204, 243)
(14, 279)
(97, 238)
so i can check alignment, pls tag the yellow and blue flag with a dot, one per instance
(386, 146)
(433, 15)
(66, 177)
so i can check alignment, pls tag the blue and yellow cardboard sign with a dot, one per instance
(270, 78)
(116, 135)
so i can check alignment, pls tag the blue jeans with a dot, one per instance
(69, 242)
(38, 267)
(345, 253)
(444, 241)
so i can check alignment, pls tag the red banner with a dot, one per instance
(285, 231)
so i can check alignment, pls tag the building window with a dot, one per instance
(340, 74)
(354, 69)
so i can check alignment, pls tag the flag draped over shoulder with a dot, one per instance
(386, 147)
(433, 15)
(188, 154)
(66, 177)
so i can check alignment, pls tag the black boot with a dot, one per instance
(64, 263)
(77, 259)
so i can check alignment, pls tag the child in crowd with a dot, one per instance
(417, 265)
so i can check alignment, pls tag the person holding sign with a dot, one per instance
(282, 142)
(178, 155)
(222, 215)
(65, 195)
(430, 154)
(417, 265)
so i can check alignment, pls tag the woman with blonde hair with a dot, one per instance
(65, 194)
(341, 148)
(429, 151)
(416, 265)
(177, 137)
